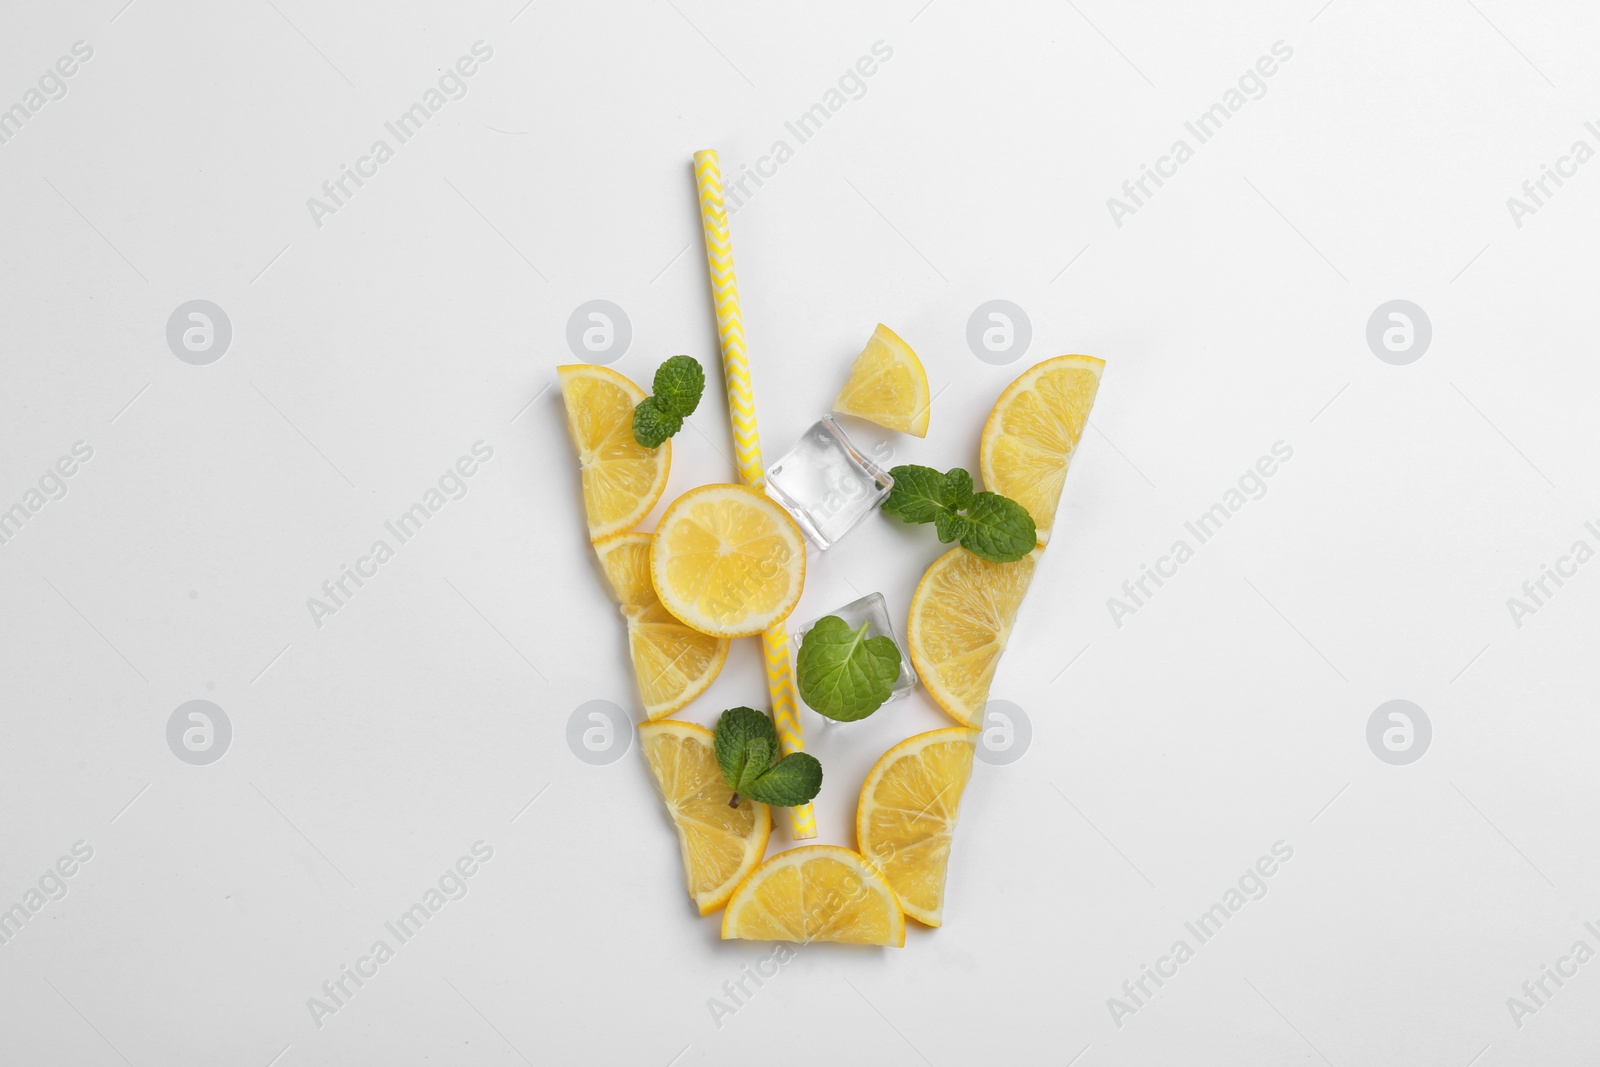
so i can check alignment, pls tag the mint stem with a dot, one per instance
(734, 803)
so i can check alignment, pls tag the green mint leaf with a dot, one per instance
(995, 528)
(918, 494)
(957, 489)
(679, 383)
(795, 779)
(652, 425)
(747, 753)
(1000, 530)
(844, 674)
(746, 745)
(950, 526)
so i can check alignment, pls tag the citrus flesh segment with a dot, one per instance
(887, 385)
(907, 814)
(816, 893)
(960, 620)
(1032, 431)
(622, 479)
(727, 560)
(720, 845)
(625, 561)
(672, 663)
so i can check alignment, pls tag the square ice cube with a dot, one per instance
(827, 484)
(873, 610)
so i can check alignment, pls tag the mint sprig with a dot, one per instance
(844, 674)
(747, 752)
(993, 527)
(679, 384)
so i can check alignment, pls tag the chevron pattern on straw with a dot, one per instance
(730, 322)
(747, 448)
(775, 645)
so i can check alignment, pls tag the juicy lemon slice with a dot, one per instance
(672, 663)
(961, 616)
(1033, 430)
(625, 559)
(816, 893)
(727, 560)
(720, 844)
(907, 813)
(622, 479)
(887, 385)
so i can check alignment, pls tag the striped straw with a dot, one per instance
(747, 447)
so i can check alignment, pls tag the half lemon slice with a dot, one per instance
(816, 893)
(1033, 430)
(622, 479)
(907, 814)
(960, 621)
(720, 845)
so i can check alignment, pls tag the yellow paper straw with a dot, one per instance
(747, 447)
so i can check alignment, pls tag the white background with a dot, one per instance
(430, 312)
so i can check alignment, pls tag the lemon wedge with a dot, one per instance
(887, 385)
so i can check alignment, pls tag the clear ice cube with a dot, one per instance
(873, 610)
(827, 484)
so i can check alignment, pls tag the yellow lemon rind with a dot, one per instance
(755, 847)
(993, 429)
(871, 878)
(866, 804)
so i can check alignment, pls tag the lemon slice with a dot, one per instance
(622, 479)
(961, 616)
(887, 385)
(907, 813)
(816, 893)
(672, 663)
(727, 560)
(1033, 430)
(720, 844)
